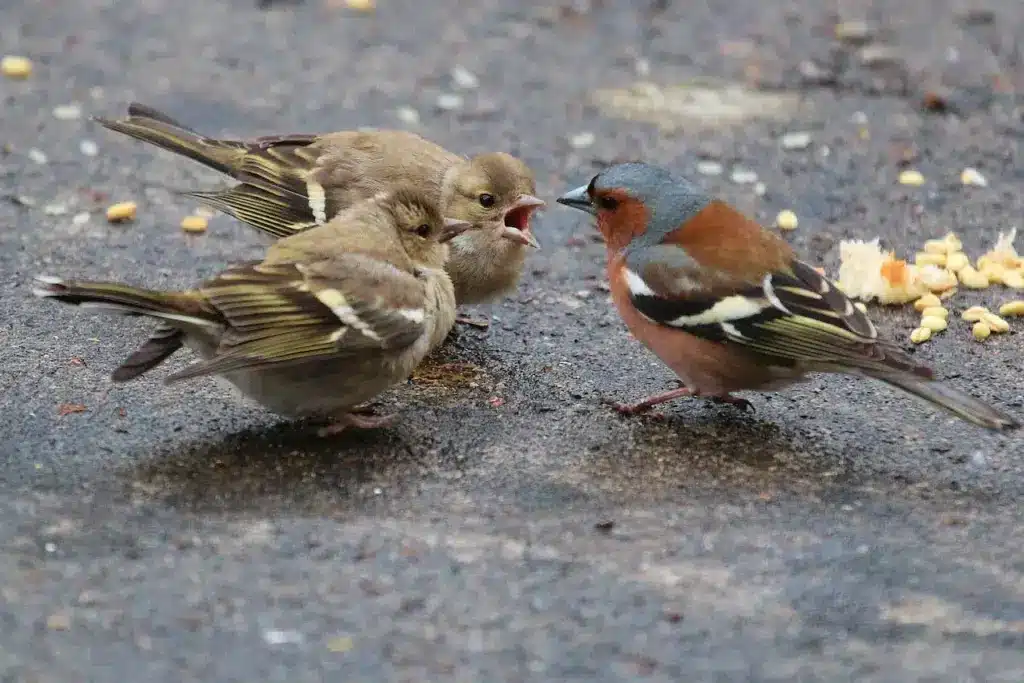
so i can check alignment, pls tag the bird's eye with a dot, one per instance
(486, 200)
(423, 231)
(606, 202)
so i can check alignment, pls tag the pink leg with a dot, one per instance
(357, 419)
(681, 392)
(479, 323)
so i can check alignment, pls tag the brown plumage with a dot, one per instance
(290, 183)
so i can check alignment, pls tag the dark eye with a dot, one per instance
(606, 202)
(486, 200)
(423, 231)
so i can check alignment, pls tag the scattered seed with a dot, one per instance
(796, 141)
(37, 155)
(709, 168)
(58, 622)
(981, 331)
(923, 258)
(876, 56)
(911, 177)
(55, 209)
(449, 101)
(996, 323)
(972, 279)
(1012, 308)
(855, 32)
(974, 313)
(408, 116)
(760, 189)
(16, 67)
(80, 218)
(340, 644)
(934, 323)
(68, 112)
(936, 247)
(920, 335)
(786, 220)
(954, 242)
(88, 148)
(971, 176)
(362, 5)
(957, 261)
(742, 176)
(927, 301)
(464, 78)
(935, 312)
(582, 140)
(122, 211)
(1013, 279)
(194, 224)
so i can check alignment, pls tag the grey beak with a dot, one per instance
(578, 199)
(453, 228)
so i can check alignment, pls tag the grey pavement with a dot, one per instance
(510, 527)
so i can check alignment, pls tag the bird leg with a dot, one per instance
(363, 418)
(681, 392)
(478, 323)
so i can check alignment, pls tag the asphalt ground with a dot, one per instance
(510, 527)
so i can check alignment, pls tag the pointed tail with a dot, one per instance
(953, 400)
(149, 125)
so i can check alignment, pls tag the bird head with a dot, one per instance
(496, 191)
(422, 230)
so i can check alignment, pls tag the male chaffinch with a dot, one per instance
(324, 323)
(289, 183)
(726, 304)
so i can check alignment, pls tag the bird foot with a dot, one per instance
(741, 403)
(478, 323)
(681, 392)
(360, 419)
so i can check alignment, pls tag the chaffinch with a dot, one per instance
(289, 183)
(324, 323)
(726, 304)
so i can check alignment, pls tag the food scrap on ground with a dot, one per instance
(194, 224)
(122, 212)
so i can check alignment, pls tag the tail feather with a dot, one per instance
(164, 341)
(147, 124)
(953, 400)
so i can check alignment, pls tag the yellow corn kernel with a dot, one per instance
(361, 5)
(974, 314)
(920, 335)
(935, 247)
(981, 331)
(935, 312)
(911, 177)
(957, 261)
(993, 271)
(997, 324)
(1013, 279)
(933, 323)
(923, 258)
(1012, 308)
(972, 278)
(927, 301)
(16, 67)
(194, 224)
(953, 241)
(786, 220)
(122, 211)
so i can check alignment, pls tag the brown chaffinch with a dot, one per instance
(324, 323)
(289, 183)
(726, 304)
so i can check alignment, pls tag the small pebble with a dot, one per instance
(1012, 308)
(194, 224)
(408, 116)
(874, 56)
(464, 78)
(55, 209)
(67, 112)
(742, 176)
(449, 102)
(88, 148)
(859, 118)
(709, 168)
(582, 140)
(276, 637)
(786, 220)
(760, 189)
(15, 67)
(796, 141)
(981, 331)
(37, 155)
(80, 218)
(911, 177)
(122, 211)
(920, 335)
(642, 67)
(972, 176)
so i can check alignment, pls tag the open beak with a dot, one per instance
(453, 228)
(578, 199)
(517, 220)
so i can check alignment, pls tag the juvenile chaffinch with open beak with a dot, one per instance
(289, 183)
(324, 323)
(726, 304)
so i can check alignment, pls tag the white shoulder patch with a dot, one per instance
(730, 308)
(339, 306)
(317, 201)
(636, 284)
